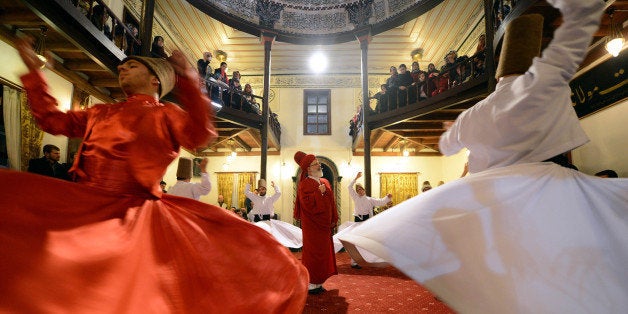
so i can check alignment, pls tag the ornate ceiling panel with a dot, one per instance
(305, 21)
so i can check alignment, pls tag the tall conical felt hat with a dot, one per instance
(161, 68)
(522, 42)
(184, 170)
(261, 183)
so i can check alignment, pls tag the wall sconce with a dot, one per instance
(417, 54)
(615, 40)
(221, 56)
(40, 45)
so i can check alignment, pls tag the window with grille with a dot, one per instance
(317, 112)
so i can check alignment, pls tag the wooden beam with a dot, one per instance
(251, 153)
(390, 143)
(105, 82)
(86, 65)
(8, 37)
(398, 154)
(411, 125)
(242, 144)
(419, 133)
(59, 46)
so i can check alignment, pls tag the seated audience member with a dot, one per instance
(49, 165)
(221, 202)
(543, 234)
(426, 186)
(157, 48)
(184, 187)
(607, 174)
(163, 184)
(133, 47)
(235, 76)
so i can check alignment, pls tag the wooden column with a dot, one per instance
(146, 26)
(267, 39)
(364, 37)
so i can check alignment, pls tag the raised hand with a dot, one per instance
(322, 188)
(28, 55)
(358, 175)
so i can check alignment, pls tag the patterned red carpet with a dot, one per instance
(371, 290)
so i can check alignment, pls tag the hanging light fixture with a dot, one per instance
(615, 40)
(40, 45)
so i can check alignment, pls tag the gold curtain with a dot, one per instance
(401, 185)
(225, 186)
(243, 179)
(32, 135)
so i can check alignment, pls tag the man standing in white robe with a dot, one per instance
(518, 235)
(184, 187)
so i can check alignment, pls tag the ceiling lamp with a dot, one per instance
(615, 40)
(417, 54)
(40, 45)
(318, 62)
(221, 56)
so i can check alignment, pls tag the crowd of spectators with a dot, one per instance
(124, 35)
(405, 87)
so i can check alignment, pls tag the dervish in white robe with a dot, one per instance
(518, 235)
(287, 234)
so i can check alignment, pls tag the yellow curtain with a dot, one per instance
(243, 179)
(401, 185)
(225, 186)
(32, 135)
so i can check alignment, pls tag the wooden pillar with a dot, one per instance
(146, 27)
(364, 37)
(489, 52)
(267, 39)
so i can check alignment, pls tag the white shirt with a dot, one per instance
(518, 235)
(529, 117)
(262, 205)
(364, 204)
(192, 190)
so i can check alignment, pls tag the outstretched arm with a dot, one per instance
(42, 104)
(199, 129)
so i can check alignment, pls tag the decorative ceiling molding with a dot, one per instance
(308, 21)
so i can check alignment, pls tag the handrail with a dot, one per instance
(118, 30)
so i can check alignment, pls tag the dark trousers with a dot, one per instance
(257, 218)
(359, 218)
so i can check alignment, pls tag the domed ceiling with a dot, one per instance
(314, 21)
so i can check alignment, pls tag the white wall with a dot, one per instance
(608, 148)
(12, 68)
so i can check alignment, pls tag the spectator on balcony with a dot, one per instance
(404, 96)
(100, 19)
(432, 78)
(133, 43)
(421, 86)
(220, 74)
(415, 70)
(235, 75)
(382, 99)
(452, 68)
(202, 65)
(157, 48)
(234, 96)
(393, 86)
(479, 56)
(248, 93)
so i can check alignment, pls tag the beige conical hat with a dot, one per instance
(522, 42)
(161, 68)
(261, 182)
(184, 170)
